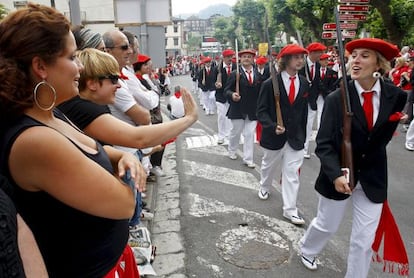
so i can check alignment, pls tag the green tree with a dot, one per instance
(397, 20)
(221, 29)
(193, 43)
(249, 15)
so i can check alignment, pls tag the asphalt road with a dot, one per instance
(228, 232)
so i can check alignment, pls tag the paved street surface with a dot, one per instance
(209, 221)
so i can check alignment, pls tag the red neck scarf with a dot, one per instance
(139, 76)
(395, 257)
(121, 75)
(177, 94)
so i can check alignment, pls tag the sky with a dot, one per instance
(194, 6)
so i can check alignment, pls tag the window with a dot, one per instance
(175, 41)
(165, 30)
(175, 29)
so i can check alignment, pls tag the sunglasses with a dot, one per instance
(122, 47)
(112, 77)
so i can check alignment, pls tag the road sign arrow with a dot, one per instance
(347, 26)
(352, 17)
(353, 8)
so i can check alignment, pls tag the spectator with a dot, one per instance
(175, 105)
(66, 173)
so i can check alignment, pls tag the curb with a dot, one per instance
(166, 227)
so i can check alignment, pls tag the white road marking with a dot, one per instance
(221, 174)
(201, 141)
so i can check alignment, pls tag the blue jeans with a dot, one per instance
(138, 200)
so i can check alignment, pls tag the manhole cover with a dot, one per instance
(252, 247)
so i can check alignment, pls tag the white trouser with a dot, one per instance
(409, 137)
(291, 160)
(210, 101)
(195, 86)
(223, 123)
(366, 216)
(309, 127)
(249, 130)
(319, 102)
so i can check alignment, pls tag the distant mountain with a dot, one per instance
(222, 9)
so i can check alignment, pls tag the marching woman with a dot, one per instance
(376, 107)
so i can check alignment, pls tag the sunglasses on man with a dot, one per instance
(122, 47)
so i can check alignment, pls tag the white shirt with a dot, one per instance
(177, 106)
(286, 82)
(375, 98)
(144, 97)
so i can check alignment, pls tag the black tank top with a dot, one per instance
(73, 243)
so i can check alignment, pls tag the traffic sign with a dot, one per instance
(332, 34)
(353, 8)
(354, 1)
(347, 26)
(352, 17)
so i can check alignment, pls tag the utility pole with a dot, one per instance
(75, 14)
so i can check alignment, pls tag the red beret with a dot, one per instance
(247, 51)
(228, 52)
(206, 60)
(316, 46)
(324, 56)
(389, 51)
(331, 63)
(291, 49)
(141, 58)
(261, 60)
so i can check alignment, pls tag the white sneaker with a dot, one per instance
(158, 171)
(233, 156)
(146, 215)
(309, 262)
(295, 219)
(249, 164)
(306, 154)
(263, 195)
(409, 146)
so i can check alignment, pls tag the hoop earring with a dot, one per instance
(36, 88)
(376, 74)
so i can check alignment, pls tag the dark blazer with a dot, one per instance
(368, 147)
(294, 116)
(220, 97)
(249, 94)
(314, 84)
(266, 73)
(210, 79)
(328, 84)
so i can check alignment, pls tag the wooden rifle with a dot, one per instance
(237, 90)
(347, 159)
(219, 81)
(275, 82)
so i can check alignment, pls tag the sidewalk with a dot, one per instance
(164, 201)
